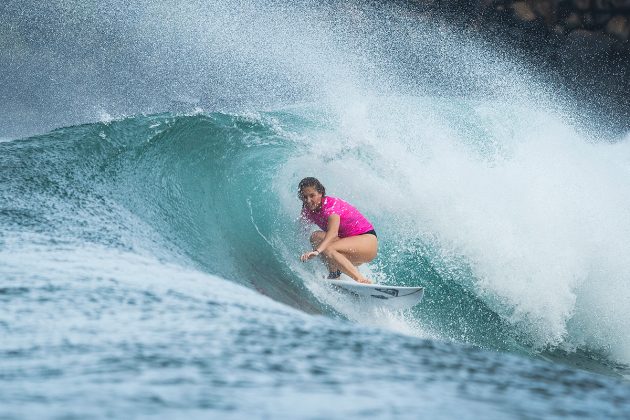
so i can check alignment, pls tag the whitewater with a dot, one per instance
(149, 242)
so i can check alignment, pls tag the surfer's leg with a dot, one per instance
(347, 253)
(333, 269)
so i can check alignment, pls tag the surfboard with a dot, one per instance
(394, 297)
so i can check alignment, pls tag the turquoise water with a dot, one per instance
(149, 260)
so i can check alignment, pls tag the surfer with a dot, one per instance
(347, 238)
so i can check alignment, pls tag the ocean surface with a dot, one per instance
(149, 242)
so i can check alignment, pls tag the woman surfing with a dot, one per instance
(347, 238)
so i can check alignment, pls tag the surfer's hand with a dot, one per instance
(308, 255)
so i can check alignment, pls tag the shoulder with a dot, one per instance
(338, 203)
(334, 205)
(330, 203)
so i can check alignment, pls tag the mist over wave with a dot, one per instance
(88, 62)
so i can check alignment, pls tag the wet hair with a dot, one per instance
(311, 182)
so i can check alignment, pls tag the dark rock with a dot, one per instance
(582, 4)
(588, 21)
(573, 21)
(547, 10)
(601, 19)
(523, 12)
(620, 4)
(601, 5)
(619, 27)
(558, 29)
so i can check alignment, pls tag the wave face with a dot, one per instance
(154, 238)
(513, 237)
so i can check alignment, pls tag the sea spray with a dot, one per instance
(525, 215)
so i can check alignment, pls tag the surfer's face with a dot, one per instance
(311, 198)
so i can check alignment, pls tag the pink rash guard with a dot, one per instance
(351, 223)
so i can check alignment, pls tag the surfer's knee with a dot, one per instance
(329, 251)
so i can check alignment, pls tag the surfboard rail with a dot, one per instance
(395, 297)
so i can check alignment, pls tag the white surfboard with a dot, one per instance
(394, 297)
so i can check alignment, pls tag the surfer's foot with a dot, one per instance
(364, 280)
(333, 275)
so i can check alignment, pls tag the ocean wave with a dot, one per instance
(467, 218)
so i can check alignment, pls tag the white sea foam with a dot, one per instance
(538, 212)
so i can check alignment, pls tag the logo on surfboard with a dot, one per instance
(391, 292)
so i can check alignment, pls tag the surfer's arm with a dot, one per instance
(331, 233)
